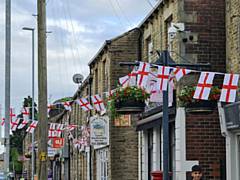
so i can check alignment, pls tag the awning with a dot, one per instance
(155, 119)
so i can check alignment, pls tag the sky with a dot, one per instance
(78, 30)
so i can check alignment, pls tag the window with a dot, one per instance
(149, 49)
(167, 40)
(96, 81)
(102, 164)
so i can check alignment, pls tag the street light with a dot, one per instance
(33, 146)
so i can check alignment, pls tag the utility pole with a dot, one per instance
(7, 84)
(33, 80)
(42, 91)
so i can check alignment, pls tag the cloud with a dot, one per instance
(79, 28)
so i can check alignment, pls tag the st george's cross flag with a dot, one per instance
(229, 88)
(59, 129)
(162, 78)
(14, 124)
(204, 86)
(129, 80)
(32, 126)
(142, 74)
(26, 113)
(180, 72)
(52, 130)
(67, 105)
(98, 103)
(84, 104)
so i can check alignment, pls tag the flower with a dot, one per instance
(128, 93)
(186, 95)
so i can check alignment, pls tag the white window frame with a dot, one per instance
(102, 164)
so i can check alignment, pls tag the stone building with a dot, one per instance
(230, 123)
(195, 138)
(120, 155)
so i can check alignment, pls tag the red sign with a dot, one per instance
(58, 142)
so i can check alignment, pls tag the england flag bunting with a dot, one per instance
(12, 115)
(67, 105)
(71, 127)
(162, 78)
(3, 122)
(32, 127)
(59, 130)
(142, 74)
(25, 112)
(84, 104)
(98, 103)
(52, 130)
(204, 85)
(128, 80)
(229, 88)
(180, 72)
(23, 124)
(76, 143)
(14, 124)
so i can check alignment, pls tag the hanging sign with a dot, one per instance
(99, 130)
(123, 121)
(57, 142)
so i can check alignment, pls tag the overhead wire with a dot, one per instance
(59, 35)
(126, 17)
(75, 36)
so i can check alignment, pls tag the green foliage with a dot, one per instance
(123, 94)
(186, 95)
(15, 164)
(63, 100)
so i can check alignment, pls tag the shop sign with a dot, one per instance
(58, 142)
(99, 130)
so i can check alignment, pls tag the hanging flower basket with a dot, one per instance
(194, 105)
(129, 100)
(129, 106)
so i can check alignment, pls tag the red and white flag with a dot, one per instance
(71, 127)
(3, 122)
(142, 74)
(129, 80)
(76, 143)
(204, 85)
(98, 103)
(67, 105)
(23, 124)
(52, 130)
(180, 72)
(12, 115)
(32, 127)
(229, 88)
(84, 104)
(14, 124)
(59, 130)
(25, 112)
(162, 78)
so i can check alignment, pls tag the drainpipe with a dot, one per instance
(90, 114)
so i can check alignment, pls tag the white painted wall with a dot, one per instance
(182, 165)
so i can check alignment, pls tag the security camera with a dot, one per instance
(172, 32)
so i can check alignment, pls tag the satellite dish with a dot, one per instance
(78, 78)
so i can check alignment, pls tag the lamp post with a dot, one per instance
(33, 146)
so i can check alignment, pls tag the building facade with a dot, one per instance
(229, 114)
(192, 136)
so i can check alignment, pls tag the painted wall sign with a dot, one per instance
(99, 130)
